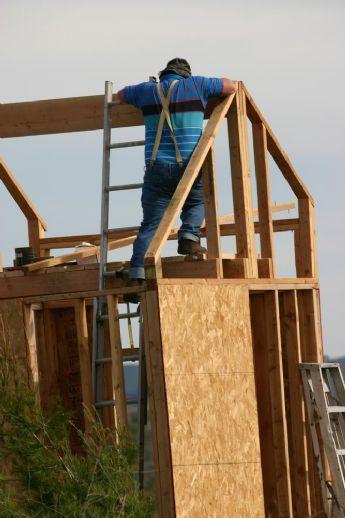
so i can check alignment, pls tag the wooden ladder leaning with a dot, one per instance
(324, 393)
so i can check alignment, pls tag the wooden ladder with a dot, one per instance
(324, 393)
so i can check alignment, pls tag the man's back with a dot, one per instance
(188, 101)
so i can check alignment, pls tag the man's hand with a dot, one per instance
(121, 96)
(229, 86)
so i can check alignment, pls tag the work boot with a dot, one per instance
(189, 247)
(133, 298)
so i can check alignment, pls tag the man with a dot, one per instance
(170, 141)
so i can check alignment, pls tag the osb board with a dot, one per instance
(210, 391)
(208, 491)
(205, 329)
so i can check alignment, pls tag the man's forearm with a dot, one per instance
(229, 86)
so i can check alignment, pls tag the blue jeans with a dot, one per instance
(160, 182)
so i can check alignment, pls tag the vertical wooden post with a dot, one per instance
(305, 240)
(117, 365)
(261, 369)
(263, 192)
(311, 350)
(291, 345)
(211, 210)
(30, 335)
(276, 382)
(84, 362)
(241, 186)
(36, 232)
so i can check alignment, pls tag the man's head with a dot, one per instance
(178, 66)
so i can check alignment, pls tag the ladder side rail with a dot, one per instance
(327, 436)
(315, 441)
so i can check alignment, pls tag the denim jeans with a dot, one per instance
(160, 182)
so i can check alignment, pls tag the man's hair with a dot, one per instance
(178, 66)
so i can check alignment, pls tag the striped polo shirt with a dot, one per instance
(187, 106)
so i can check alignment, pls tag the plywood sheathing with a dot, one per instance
(208, 374)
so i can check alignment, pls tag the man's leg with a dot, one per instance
(192, 216)
(155, 198)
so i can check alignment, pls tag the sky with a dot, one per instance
(289, 54)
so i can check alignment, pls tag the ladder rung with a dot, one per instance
(109, 274)
(101, 361)
(340, 451)
(124, 187)
(134, 143)
(336, 409)
(120, 316)
(121, 229)
(112, 402)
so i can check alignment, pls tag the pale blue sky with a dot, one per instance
(290, 55)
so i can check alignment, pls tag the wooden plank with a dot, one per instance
(158, 406)
(289, 322)
(18, 194)
(37, 284)
(277, 398)
(66, 115)
(241, 186)
(192, 170)
(265, 268)
(236, 268)
(29, 327)
(211, 209)
(80, 254)
(263, 192)
(35, 234)
(85, 364)
(261, 369)
(276, 151)
(305, 241)
(72, 241)
(312, 352)
(119, 395)
(189, 269)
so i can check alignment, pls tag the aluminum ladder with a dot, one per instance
(324, 393)
(101, 307)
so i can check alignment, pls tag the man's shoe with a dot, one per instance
(189, 247)
(133, 298)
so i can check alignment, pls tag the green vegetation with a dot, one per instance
(41, 476)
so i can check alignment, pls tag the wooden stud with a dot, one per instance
(241, 186)
(211, 209)
(158, 406)
(305, 241)
(277, 398)
(265, 268)
(208, 268)
(191, 172)
(289, 321)
(312, 352)
(263, 192)
(117, 366)
(84, 360)
(261, 369)
(36, 233)
(29, 327)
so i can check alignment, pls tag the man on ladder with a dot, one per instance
(173, 112)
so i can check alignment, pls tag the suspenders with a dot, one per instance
(165, 115)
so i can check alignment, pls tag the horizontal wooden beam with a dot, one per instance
(19, 196)
(67, 115)
(277, 152)
(53, 243)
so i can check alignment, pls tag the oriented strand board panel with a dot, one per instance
(210, 392)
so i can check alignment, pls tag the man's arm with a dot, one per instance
(229, 86)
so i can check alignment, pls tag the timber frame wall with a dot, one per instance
(284, 313)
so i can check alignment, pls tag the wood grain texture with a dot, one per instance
(210, 391)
